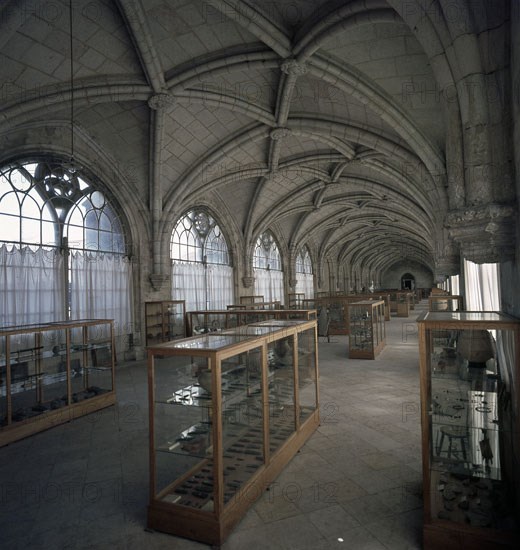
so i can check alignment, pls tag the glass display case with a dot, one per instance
(296, 300)
(470, 438)
(165, 321)
(216, 320)
(367, 329)
(336, 308)
(392, 294)
(373, 296)
(228, 410)
(51, 373)
(403, 304)
(445, 303)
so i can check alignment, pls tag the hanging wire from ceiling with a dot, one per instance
(71, 86)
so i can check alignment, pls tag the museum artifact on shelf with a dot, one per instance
(367, 329)
(165, 320)
(470, 436)
(228, 410)
(52, 373)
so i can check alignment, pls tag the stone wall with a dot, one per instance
(391, 278)
(510, 271)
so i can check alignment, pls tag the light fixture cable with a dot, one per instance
(71, 87)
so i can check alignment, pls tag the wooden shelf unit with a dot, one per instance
(165, 320)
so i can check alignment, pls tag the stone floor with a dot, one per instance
(356, 484)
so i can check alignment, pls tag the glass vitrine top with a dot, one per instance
(250, 330)
(484, 316)
(279, 323)
(50, 325)
(366, 302)
(210, 341)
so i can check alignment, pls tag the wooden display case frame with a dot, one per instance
(338, 323)
(439, 532)
(69, 359)
(373, 320)
(212, 525)
(157, 321)
(445, 303)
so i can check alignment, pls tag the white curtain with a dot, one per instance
(305, 284)
(269, 284)
(220, 286)
(101, 289)
(189, 284)
(203, 287)
(31, 286)
(455, 285)
(482, 291)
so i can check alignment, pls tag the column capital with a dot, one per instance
(485, 234)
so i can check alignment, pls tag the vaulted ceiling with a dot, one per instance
(323, 120)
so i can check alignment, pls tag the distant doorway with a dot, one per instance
(408, 282)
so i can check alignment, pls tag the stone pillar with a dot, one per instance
(158, 103)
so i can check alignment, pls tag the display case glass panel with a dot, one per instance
(98, 360)
(469, 363)
(165, 321)
(367, 329)
(45, 369)
(175, 320)
(282, 419)
(242, 419)
(183, 431)
(307, 385)
(296, 300)
(336, 308)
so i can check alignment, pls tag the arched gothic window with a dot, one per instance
(41, 203)
(198, 238)
(304, 278)
(267, 255)
(202, 274)
(62, 247)
(267, 269)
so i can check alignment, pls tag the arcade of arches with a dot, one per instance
(373, 143)
(378, 134)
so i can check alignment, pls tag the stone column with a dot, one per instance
(159, 104)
